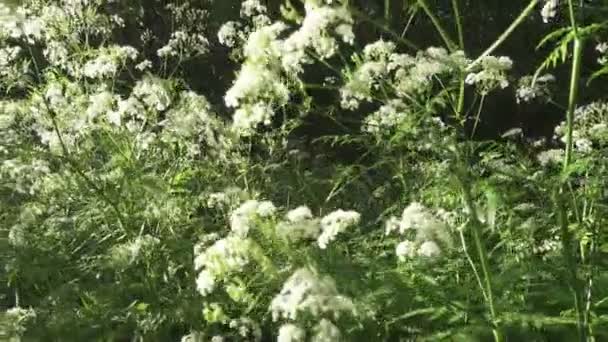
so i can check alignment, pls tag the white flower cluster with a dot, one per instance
(192, 124)
(381, 69)
(335, 223)
(108, 61)
(374, 65)
(262, 83)
(247, 329)
(242, 218)
(428, 232)
(14, 322)
(602, 48)
(389, 115)
(549, 10)
(418, 78)
(250, 8)
(590, 127)
(550, 157)
(547, 246)
(153, 92)
(299, 225)
(291, 333)
(229, 33)
(259, 86)
(314, 34)
(184, 45)
(228, 255)
(307, 292)
(529, 89)
(491, 74)
(324, 331)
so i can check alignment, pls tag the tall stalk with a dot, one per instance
(482, 253)
(565, 234)
(442, 32)
(503, 37)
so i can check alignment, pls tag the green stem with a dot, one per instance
(566, 236)
(442, 32)
(458, 17)
(386, 29)
(387, 11)
(459, 29)
(573, 98)
(566, 241)
(501, 39)
(483, 257)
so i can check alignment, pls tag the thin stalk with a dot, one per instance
(566, 241)
(501, 39)
(478, 116)
(442, 32)
(465, 248)
(573, 98)
(458, 17)
(483, 257)
(386, 29)
(576, 287)
(387, 11)
(459, 29)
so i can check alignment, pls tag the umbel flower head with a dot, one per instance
(427, 230)
(271, 62)
(308, 292)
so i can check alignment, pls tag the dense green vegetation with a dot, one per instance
(303, 170)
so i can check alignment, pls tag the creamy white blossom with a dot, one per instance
(529, 90)
(229, 33)
(549, 10)
(405, 250)
(184, 45)
(306, 291)
(299, 214)
(225, 256)
(153, 92)
(335, 223)
(242, 218)
(299, 225)
(492, 74)
(429, 249)
(291, 333)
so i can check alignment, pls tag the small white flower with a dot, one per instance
(429, 249)
(335, 223)
(144, 65)
(299, 214)
(266, 209)
(549, 10)
(228, 33)
(305, 291)
(205, 282)
(405, 250)
(291, 333)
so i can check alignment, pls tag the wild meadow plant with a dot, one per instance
(315, 182)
